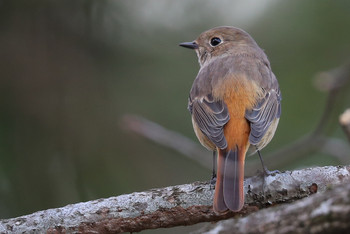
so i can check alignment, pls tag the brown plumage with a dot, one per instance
(235, 105)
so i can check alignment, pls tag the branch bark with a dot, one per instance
(176, 205)
(327, 212)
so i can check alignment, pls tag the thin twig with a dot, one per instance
(168, 138)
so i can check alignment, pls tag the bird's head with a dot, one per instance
(220, 41)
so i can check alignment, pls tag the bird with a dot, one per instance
(235, 105)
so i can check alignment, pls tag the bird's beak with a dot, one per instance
(190, 45)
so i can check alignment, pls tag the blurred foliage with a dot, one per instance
(71, 69)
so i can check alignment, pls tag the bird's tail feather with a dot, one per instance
(229, 192)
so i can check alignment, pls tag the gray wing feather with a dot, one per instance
(262, 115)
(210, 116)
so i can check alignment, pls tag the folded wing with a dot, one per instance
(210, 116)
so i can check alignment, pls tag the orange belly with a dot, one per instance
(237, 129)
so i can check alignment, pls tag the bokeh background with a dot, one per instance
(71, 70)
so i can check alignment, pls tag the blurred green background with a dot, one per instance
(70, 71)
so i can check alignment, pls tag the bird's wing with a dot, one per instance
(267, 109)
(210, 116)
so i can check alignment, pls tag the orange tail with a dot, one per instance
(229, 192)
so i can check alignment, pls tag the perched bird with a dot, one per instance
(235, 106)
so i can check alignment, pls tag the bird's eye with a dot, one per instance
(215, 41)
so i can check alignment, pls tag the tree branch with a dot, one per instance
(176, 205)
(166, 137)
(327, 212)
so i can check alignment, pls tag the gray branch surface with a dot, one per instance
(175, 205)
(327, 212)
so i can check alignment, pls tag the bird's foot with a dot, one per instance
(267, 172)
